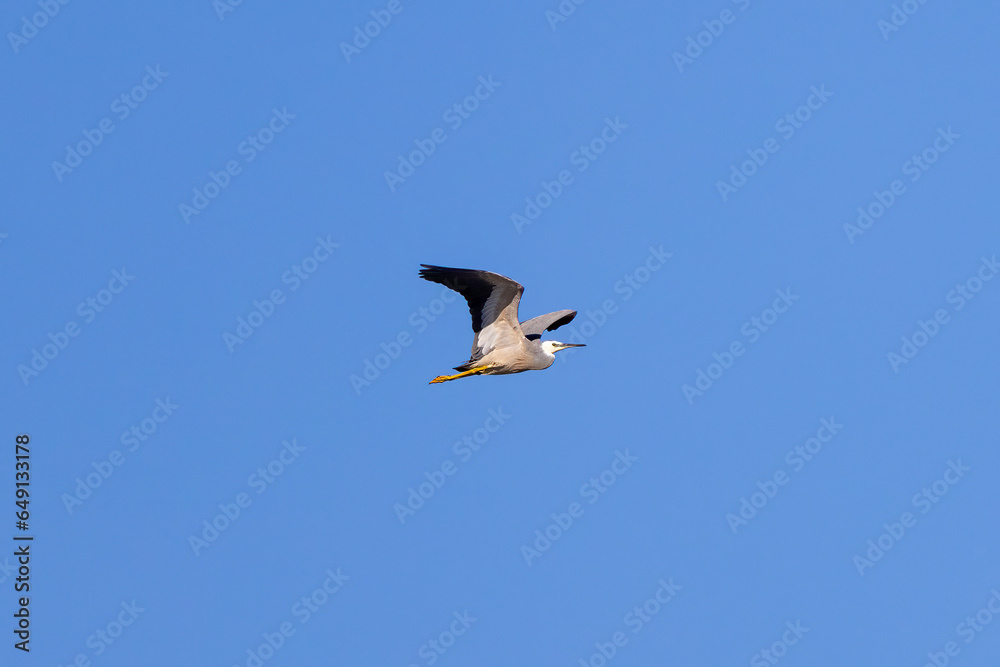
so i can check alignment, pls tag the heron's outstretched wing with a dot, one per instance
(493, 301)
(536, 326)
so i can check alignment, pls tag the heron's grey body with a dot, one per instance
(501, 344)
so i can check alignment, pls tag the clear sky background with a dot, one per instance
(250, 154)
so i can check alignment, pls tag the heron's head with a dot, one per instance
(553, 346)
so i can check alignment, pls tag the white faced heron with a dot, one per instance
(501, 344)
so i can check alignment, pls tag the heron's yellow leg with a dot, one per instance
(445, 378)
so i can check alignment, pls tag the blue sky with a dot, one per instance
(776, 223)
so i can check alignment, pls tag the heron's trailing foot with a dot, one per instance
(445, 378)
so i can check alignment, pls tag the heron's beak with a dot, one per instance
(573, 345)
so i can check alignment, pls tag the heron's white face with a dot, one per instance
(553, 346)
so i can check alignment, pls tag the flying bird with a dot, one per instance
(501, 344)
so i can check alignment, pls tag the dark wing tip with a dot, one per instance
(565, 319)
(438, 273)
(435, 274)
